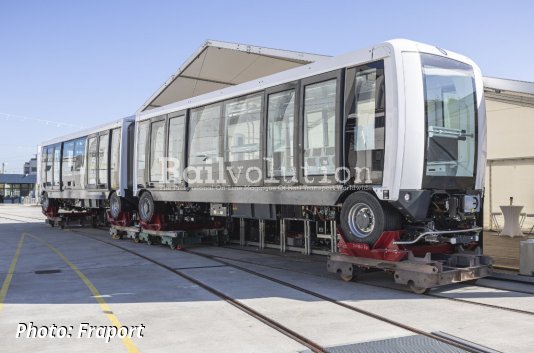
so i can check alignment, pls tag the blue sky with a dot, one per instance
(81, 63)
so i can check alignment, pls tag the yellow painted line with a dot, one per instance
(10, 272)
(128, 343)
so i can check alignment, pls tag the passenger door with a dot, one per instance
(67, 180)
(280, 136)
(176, 150)
(365, 109)
(156, 155)
(242, 152)
(103, 160)
(320, 138)
(92, 161)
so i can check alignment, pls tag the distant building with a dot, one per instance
(30, 167)
(15, 186)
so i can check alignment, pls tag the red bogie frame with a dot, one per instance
(385, 249)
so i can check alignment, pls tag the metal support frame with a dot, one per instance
(494, 222)
(261, 224)
(283, 235)
(333, 241)
(242, 231)
(307, 237)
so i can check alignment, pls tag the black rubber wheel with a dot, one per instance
(364, 218)
(147, 207)
(116, 205)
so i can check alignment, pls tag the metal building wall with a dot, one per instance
(510, 168)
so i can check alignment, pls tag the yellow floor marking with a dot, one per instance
(10, 272)
(96, 294)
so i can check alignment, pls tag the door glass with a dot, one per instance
(242, 116)
(204, 132)
(365, 122)
(157, 142)
(115, 157)
(320, 128)
(68, 163)
(92, 153)
(103, 154)
(280, 126)
(141, 152)
(176, 149)
(57, 163)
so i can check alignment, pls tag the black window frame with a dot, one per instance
(321, 179)
(288, 179)
(185, 147)
(349, 102)
(148, 147)
(248, 163)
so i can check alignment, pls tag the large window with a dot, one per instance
(57, 164)
(92, 154)
(115, 157)
(68, 163)
(280, 127)
(204, 134)
(450, 106)
(141, 152)
(79, 154)
(49, 159)
(243, 116)
(157, 150)
(103, 156)
(365, 122)
(176, 149)
(320, 128)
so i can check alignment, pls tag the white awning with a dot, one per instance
(217, 65)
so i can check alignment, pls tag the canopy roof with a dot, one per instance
(17, 179)
(216, 65)
(509, 91)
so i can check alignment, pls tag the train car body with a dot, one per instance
(392, 137)
(83, 170)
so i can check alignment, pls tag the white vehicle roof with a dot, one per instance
(107, 126)
(326, 64)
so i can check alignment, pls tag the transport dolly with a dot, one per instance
(118, 232)
(175, 239)
(420, 274)
(68, 219)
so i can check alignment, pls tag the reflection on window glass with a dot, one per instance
(49, 162)
(79, 153)
(280, 126)
(68, 162)
(157, 141)
(92, 158)
(450, 104)
(57, 162)
(115, 151)
(141, 151)
(365, 122)
(320, 128)
(103, 148)
(176, 148)
(204, 135)
(242, 116)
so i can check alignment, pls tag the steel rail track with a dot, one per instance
(458, 343)
(462, 344)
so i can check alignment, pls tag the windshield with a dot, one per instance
(450, 108)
